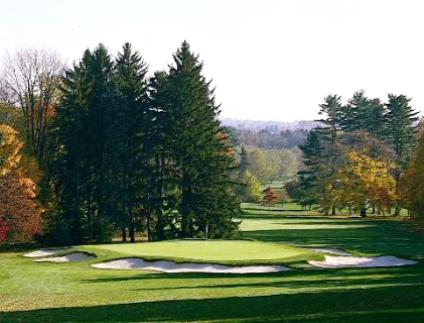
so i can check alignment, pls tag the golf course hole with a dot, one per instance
(361, 262)
(72, 257)
(172, 267)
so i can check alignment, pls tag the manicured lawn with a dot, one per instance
(75, 292)
(237, 252)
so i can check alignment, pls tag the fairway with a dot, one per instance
(236, 252)
(75, 292)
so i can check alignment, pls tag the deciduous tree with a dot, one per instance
(30, 80)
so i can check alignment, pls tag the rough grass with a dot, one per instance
(75, 292)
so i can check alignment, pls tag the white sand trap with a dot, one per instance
(72, 257)
(44, 252)
(361, 262)
(331, 251)
(172, 267)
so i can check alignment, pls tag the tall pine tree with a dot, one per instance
(200, 150)
(79, 169)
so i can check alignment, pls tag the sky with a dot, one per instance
(268, 59)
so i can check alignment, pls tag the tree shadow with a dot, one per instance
(357, 305)
(387, 238)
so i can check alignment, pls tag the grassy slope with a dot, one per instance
(75, 292)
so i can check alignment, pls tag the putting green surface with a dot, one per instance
(236, 252)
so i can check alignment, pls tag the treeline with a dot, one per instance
(269, 156)
(269, 165)
(356, 160)
(123, 151)
(265, 139)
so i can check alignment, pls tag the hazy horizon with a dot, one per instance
(269, 60)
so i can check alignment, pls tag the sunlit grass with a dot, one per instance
(45, 292)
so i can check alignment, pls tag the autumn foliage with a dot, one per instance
(3, 230)
(19, 214)
(412, 183)
(269, 196)
(361, 182)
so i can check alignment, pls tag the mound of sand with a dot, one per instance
(72, 257)
(172, 267)
(44, 252)
(362, 262)
(331, 251)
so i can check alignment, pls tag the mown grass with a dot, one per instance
(74, 292)
(227, 252)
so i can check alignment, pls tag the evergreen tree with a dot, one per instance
(401, 128)
(332, 109)
(362, 113)
(308, 177)
(79, 167)
(401, 133)
(164, 193)
(128, 142)
(244, 160)
(200, 150)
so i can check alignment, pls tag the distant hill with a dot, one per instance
(270, 126)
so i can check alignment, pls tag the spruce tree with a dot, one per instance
(401, 128)
(401, 133)
(312, 160)
(128, 140)
(200, 150)
(363, 113)
(331, 109)
(79, 169)
(164, 193)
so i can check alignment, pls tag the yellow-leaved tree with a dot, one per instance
(19, 213)
(412, 183)
(361, 182)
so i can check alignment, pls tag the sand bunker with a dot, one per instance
(44, 252)
(171, 267)
(72, 257)
(361, 262)
(331, 251)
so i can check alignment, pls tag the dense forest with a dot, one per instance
(105, 146)
(113, 149)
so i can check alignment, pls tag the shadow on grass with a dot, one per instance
(386, 238)
(370, 305)
(18, 246)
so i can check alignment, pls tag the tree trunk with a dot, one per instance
(124, 235)
(132, 231)
(149, 232)
(397, 210)
(333, 210)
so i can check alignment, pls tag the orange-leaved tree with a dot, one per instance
(269, 197)
(19, 213)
